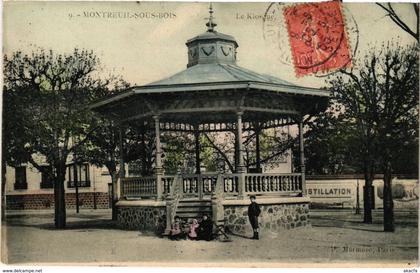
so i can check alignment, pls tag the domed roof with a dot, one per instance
(212, 67)
(211, 46)
(217, 73)
(212, 35)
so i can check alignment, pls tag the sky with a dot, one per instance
(147, 41)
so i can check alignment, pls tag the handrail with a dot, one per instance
(289, 183)
(173, 198)
(199, 185)
(218, 189)
(176, 196)
(139, 187)
(167, 181)
(273, 174)
(216, 201)
(230, 183)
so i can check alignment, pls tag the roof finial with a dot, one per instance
(211, 24)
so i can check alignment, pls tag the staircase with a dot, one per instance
(193, 208)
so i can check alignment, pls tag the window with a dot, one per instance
(20, 178)
(46, 181)
(82, 172)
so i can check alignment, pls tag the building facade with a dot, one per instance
(28, 188)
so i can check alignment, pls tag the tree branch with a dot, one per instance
(397, 20)
(232, 169)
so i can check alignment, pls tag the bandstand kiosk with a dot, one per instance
(213, 94)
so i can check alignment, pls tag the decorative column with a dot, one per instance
(198, 162)
(158, 160)
(241, 166)
(197, 150)
(257, 149)
(144, 171)
(302, 157)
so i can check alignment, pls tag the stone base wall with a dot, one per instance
(142, 218)
(273, 217)
(87, 200)
(276, 215)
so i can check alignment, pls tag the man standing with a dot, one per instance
(253, 213)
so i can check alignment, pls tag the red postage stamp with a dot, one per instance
(318, 38)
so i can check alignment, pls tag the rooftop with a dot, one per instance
(212, 67)
(217, 72)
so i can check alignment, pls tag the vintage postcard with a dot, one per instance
(210, 134)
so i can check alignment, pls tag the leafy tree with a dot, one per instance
(45, 114)
(103, 149)
(178, 147)
(328, 148)
(380, 107)
(274, 144)
(332, 148)
(223, 145)
(208, 155)
(179, 151)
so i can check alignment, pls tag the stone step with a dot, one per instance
(194, 204)
(194, 209)
(189, 208)
(195, 199)
(191, 215)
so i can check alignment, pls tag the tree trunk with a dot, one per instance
(3, 189)
(388, 201)
(59, 202)
(367, 198)
(114, 178)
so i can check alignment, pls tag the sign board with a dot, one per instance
(343, 193)
(332, 193)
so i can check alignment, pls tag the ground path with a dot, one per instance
(335, 236)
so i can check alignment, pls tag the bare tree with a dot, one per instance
(399, 20)
(45, 114)
(380, 100)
